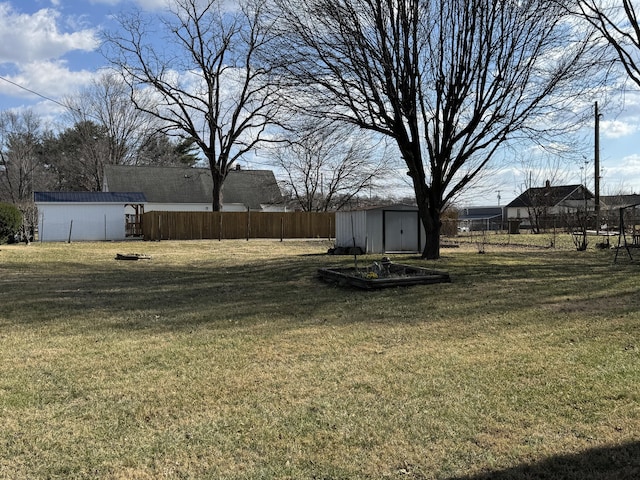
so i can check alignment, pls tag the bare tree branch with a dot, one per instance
(617, 22)
(450, 81)
(209, 84)
(328, 165)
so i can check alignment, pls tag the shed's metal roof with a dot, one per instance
(89, 197)
(479, 213)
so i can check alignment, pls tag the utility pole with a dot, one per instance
(596, 162)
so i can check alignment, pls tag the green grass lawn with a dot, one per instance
(230, 360)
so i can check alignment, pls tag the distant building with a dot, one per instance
(75, 216)
(190, 189)
(610, 206)
(544, 207)
(480, 218)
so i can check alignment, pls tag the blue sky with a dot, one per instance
(51, 47)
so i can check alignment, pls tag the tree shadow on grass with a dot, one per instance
(159, 296)
(607, 463)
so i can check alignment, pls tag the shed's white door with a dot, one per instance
(401, 231)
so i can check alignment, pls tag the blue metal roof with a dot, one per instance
(89, 197)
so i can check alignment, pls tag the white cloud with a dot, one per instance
(51, 79)
(622, 176)
(618, 128)
(37, 37)
(631, 164)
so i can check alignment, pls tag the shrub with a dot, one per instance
(10, 221)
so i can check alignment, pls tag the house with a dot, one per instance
(610, 209)
(190, 189)
(389, 229)
(69, 216)
(480, 218)
(542, 207)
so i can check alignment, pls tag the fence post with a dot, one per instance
(248, 223)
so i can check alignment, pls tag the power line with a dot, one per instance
(35, 93)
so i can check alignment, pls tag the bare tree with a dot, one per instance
(617, 22)
(107, 104)
(451, 81)
(207, 77)
(21, 171)
(328, 165)
(22, 168)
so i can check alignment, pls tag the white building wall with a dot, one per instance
(367, 228)
(351, 227)
(190, 207)
(85, 222)
(375, 232)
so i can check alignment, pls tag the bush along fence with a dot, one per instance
(235, 225)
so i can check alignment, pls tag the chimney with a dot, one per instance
(238, 167)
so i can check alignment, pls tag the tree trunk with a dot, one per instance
(431, 220)
(218, 180)
(429, 213)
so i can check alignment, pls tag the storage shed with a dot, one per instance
(76, 216)
(390, 229)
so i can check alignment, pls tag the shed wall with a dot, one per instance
(351, 227)
(90, 222)
(367, 226)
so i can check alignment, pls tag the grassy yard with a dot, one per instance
(230, 360)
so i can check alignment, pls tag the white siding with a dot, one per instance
(191, 207)
(367, 227)
(177, 207)
(351, 227)
(85, 221)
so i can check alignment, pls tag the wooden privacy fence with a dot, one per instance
(230, 225)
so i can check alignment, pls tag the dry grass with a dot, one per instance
(231, 360)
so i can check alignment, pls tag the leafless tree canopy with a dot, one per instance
(20, 168)
(209, 85)
(617, 22)
(327, 165)
(449, 80)
(107, 104)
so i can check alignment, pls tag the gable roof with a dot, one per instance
(175, 185)
(618, 201)
(550, 196)
(89, 197)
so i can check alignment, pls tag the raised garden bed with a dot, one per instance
(392, 275)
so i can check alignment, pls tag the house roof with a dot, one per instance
(618, 201)
(89, 197)
(479, 213)
(550, 196)
(252, 188)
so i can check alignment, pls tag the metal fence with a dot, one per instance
(233, 225)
